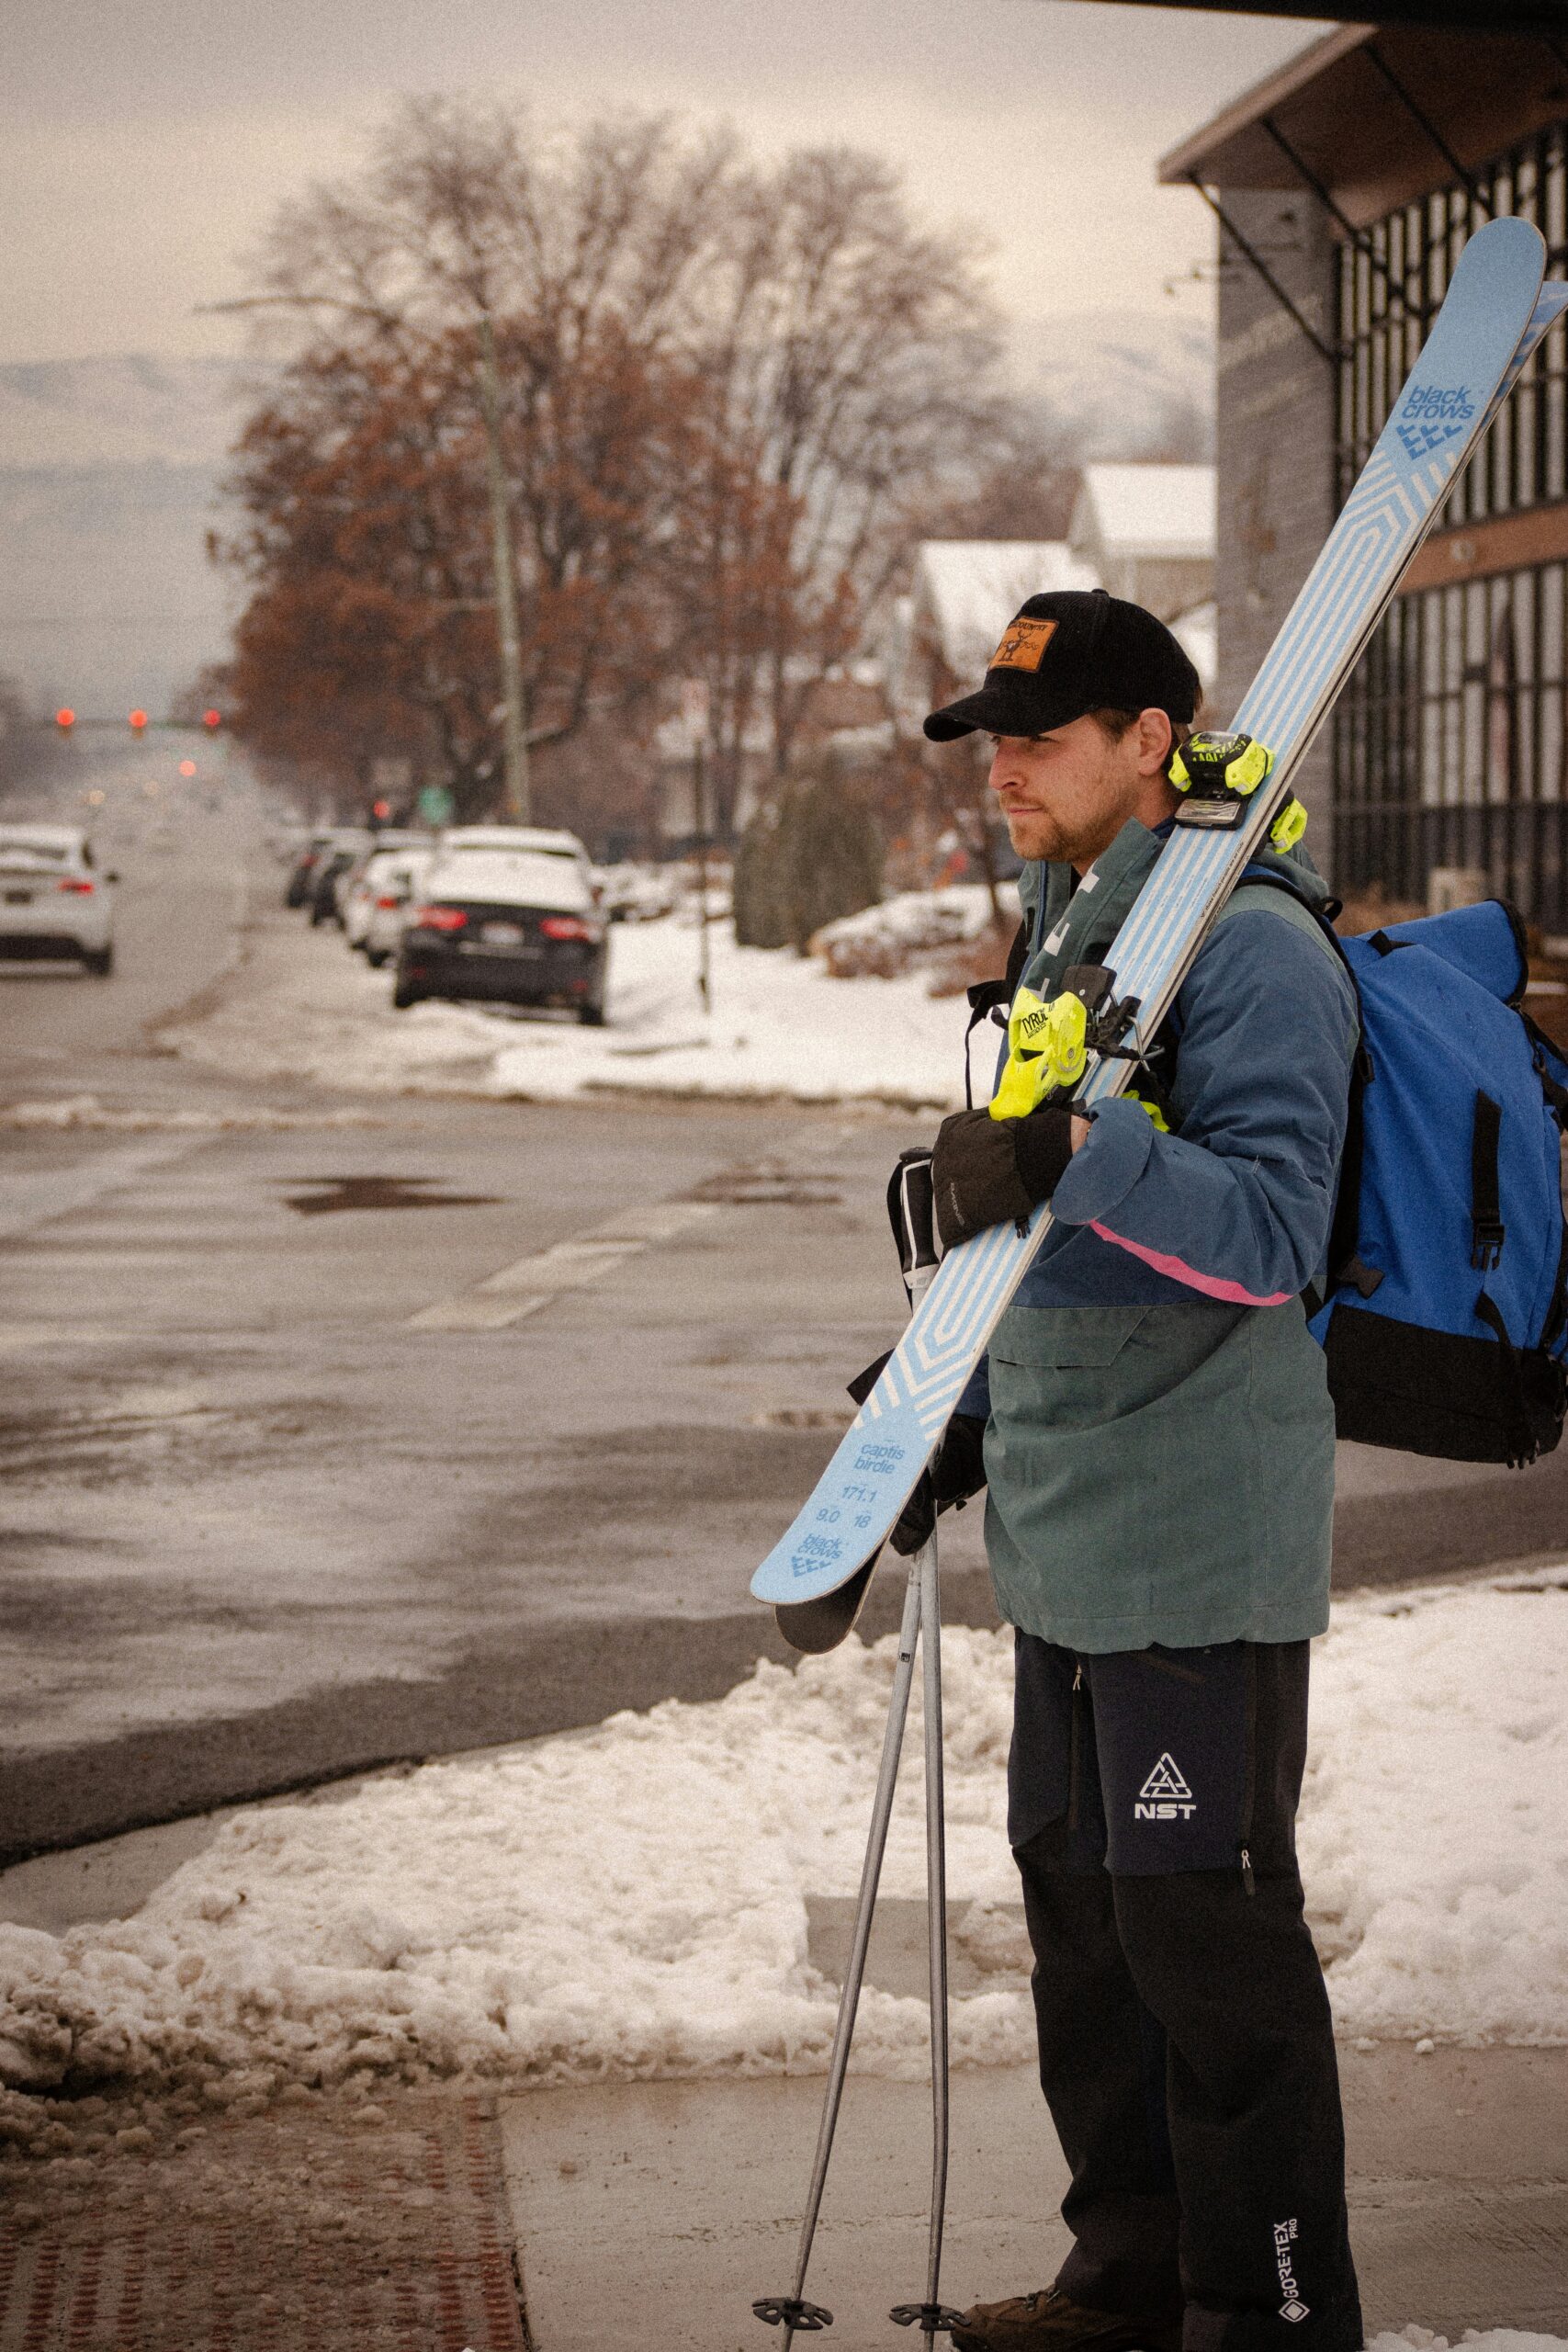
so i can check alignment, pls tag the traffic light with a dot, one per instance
(212, 720)
(138, 722)
(65, 719)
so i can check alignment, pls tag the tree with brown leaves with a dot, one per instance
(720, 400)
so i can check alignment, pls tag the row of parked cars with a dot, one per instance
(503, 914)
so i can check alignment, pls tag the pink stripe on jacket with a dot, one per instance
(1179, 1271)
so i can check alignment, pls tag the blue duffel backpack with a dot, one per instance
(1445, 1322)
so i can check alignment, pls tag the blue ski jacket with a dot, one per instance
(1160, 1443)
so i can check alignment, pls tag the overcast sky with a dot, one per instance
(147, 142)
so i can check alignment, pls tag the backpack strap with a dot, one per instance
(1260, 886)
(986, 996)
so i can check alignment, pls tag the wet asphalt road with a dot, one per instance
(265, 1520)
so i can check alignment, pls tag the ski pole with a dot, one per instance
(791, 2312)
(909, 1200)
(933, 2316)
(918, 1219)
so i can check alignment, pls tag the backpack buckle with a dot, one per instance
(1486, 1248)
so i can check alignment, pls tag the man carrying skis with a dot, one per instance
(1153, 1426)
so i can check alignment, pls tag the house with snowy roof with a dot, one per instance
(962, 594)
(1148, 533)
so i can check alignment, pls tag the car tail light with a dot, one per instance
(389, 902)
(441, 919)
(75, 886)
(567, 927)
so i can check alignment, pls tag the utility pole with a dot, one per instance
(694, 711)
(519, 802)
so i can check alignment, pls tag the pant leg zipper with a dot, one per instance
(1249, 1786)
(1075, 1747)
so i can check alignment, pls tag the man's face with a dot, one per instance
(1066, 795)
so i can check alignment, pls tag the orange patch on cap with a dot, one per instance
(1024, 645)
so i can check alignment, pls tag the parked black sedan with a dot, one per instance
(509, 926)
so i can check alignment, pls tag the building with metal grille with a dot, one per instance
(1345, 186)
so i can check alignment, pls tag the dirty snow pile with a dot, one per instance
(631, 1900)
(780, 1025)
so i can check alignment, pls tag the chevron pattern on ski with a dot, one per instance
(875, 1468)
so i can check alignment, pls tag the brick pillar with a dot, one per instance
(1274, 426)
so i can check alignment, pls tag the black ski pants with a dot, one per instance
(1186, 2048)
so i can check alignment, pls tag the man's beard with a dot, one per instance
(1044, 839)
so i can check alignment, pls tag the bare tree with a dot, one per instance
(703, 405)
(854, 357)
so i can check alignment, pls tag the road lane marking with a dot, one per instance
(523, 1288)
(32, 1198)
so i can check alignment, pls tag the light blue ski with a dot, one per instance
(1495, 313)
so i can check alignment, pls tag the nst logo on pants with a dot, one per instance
(1165, 1796)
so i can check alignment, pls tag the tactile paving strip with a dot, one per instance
(300, 2229)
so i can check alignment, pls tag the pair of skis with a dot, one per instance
(1496, 310)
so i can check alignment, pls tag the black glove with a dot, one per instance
(992, 1172)
(957, 1471)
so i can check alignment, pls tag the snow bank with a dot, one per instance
(1474, 2339)
(889, 938)
(79, 1111)
(1433, 1842)
(780, 1025)
(631, 1900)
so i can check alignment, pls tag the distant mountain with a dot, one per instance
(109, 469)
(109, 476)
(1127, 383)
(125, 408)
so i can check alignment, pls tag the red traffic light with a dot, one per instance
(380, 810)
(65, 719)
(211, 720)
(138, 721)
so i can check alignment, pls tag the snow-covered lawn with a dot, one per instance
(781, 1026)
(631, 1900)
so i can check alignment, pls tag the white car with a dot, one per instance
(53, 900)
(535, 840)
(545, 840)
(347, 875)
(376, 905)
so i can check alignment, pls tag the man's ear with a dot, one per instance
(1155, 736)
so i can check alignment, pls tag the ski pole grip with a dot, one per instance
(912, 1209)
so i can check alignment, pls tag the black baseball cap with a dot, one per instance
(1073, 650)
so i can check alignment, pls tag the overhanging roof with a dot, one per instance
(1484, 16)
(1479, 93)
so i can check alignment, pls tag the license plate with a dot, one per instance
(18, 898)
(518, 955)
(502, 935)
